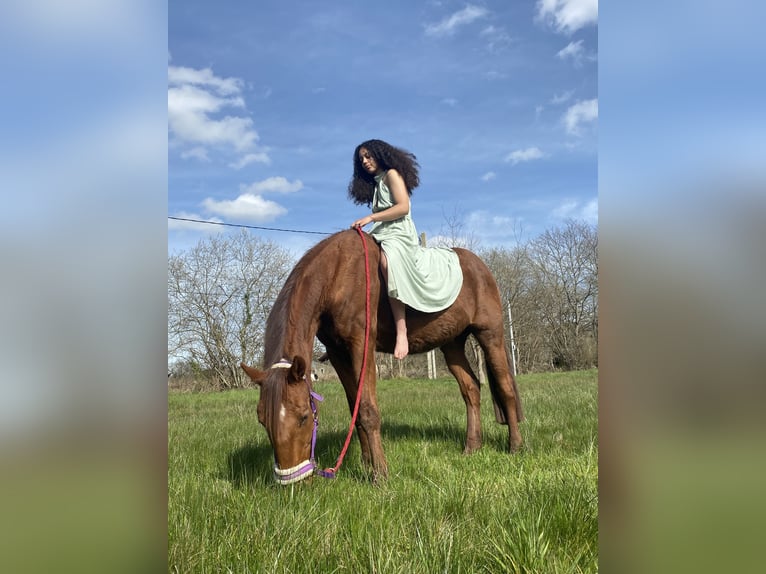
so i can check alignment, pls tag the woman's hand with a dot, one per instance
(359, 223)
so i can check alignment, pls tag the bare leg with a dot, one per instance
(402, 346)
(401, 349)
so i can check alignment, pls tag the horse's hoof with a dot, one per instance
(379, 477)
(471, 447)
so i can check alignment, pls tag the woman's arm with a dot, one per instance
(399, 209)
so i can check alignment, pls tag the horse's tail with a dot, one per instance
(494, 388)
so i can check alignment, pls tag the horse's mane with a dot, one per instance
(273, 387)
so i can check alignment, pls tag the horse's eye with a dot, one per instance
(303, 420)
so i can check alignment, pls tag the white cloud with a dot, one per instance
(590, 212)
(573, 50)
(180, 76)
(489, 176)
(497, 38)
(450, 24)
(478, 218)
(572, 208)
(189, 111)
(196, 100)
(565, 209)
(260, 157)
(580, 113)
(246, 207)
(249, 206)
(560, 99)
(199, 153)
(568, 16)
(451, 102)
(520, 155)
(576, 52)
(493, 229)
(273, 184)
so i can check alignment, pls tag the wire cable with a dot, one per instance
(249, 226)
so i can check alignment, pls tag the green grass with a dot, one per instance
(439, 511)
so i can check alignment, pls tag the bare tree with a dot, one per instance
(510, 268)
(220, 293)
(564, 267)
(453, 233)
(551, 284)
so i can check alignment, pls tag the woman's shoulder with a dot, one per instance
(392, 175)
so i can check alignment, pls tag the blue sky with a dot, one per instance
(267, 101)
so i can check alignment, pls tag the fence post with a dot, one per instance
(513, 343)
(431, 355)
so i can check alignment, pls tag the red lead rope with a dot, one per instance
(330, 472)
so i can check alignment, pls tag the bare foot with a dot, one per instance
(402, 347)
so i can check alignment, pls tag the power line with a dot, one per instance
(249, 226)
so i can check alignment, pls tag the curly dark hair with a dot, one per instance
(362, 184)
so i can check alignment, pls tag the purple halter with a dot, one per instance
(308, 467)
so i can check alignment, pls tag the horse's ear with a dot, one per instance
(298, 370)
(257, 376)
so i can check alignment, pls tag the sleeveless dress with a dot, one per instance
(425, 278)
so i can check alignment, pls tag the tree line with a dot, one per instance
(221, 291)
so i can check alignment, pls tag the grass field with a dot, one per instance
(439, 511)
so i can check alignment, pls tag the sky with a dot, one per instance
(268, 100)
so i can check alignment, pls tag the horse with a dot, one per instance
(324, 296)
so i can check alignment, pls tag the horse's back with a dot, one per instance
(338, 263)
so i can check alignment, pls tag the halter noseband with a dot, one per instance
(307, 467)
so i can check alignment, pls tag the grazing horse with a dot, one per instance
(324, 296)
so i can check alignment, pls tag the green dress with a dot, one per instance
(425, 278)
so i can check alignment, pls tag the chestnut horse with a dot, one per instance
(324, 296)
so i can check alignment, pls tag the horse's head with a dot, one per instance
(286, 409)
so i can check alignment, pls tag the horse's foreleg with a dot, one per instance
(340, 362)
(368, 419)
(502, 383)
(368, 428)
(454, 354)
(364, 443)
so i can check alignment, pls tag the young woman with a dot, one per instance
(425, 279)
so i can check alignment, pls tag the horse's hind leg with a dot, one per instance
(454, 354)
(501, 382)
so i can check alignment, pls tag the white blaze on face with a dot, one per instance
(282, 413)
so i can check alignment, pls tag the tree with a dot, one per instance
(220, 293)
(564, 268)
(551, 285)
(453, 233)
(510, 268)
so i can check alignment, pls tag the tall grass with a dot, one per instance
(439, 511)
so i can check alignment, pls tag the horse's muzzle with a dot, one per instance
(294, 474)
